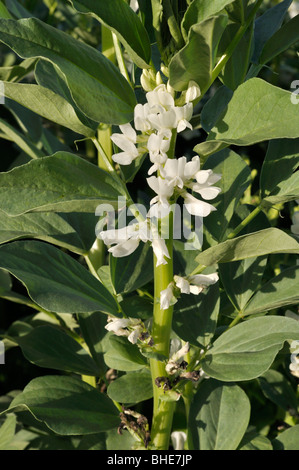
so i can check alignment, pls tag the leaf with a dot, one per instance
(96, 85)
(47, 104)
(282, 40)
(8, 428)
(195, 317)
(20, 140)
(200, 10)
(267, 25)
(258, 111)
(287, 440)
(247, 350)
(278, 182)
(276, 388)
(122, 355)
(215, 108)
(133, 387)
(4, 13)
(278, 292)
(133, 271)
(242, 278)
(62, 182)
(71, 231)
(219, 416)
(234, 181)
(54, 280)
(234, 72)
(67, 405)
(262, 242)
(254, 441)
(47, 346)
(195, 61)
(121, 20)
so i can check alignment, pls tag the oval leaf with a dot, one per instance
(247, 350)
(219, 416)
(54, 280)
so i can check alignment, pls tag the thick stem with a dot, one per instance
(161, 330)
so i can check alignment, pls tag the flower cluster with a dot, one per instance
(133, 328)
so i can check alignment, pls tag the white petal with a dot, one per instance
(178, 439)
(123, 158)
(166, 298)
(128, 131)
(124, 248)
(204, 279)
(192, 168)
(160, 250)
(208, 193)
(182, 284)
(196, 207)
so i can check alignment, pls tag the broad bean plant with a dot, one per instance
(149, 224)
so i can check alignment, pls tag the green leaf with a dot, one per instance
(54, 280)
(287, 440)
(196, 60)
(219, 416)
(278, 182)
(47, 346)
(282, 40)
(276, 388)
(254, 441)
(278, 292)
(266, 25)
(258, 111)
(92, 327)
(49, 105)
(242, 278)
(67, 405)
(23, 142)
(122, 355)
(8, 428)
(71, 231)
(62, 182)
(195, 317)
(234, 181)
(215, 108)
(234, 72)
(121, 20)
(96, 85)
(132, 387)
(247, 350)
(200, 10)
(263, 242)
(134, 271)
(4, 13)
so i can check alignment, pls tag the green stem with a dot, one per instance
(245, 222)
(232, 46)
(161, 330)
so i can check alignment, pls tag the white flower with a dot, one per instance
(295, 226)
(126, 240)
(160, 204)
(163, 119)
(183, 115)
(193, 92)
(195, 284)
(174, 363)
(141, 122)
(158, 146)
(294, 365)
(117, 325)
(178, 439)
(160, 99)
(126, 142)
(167, 298)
